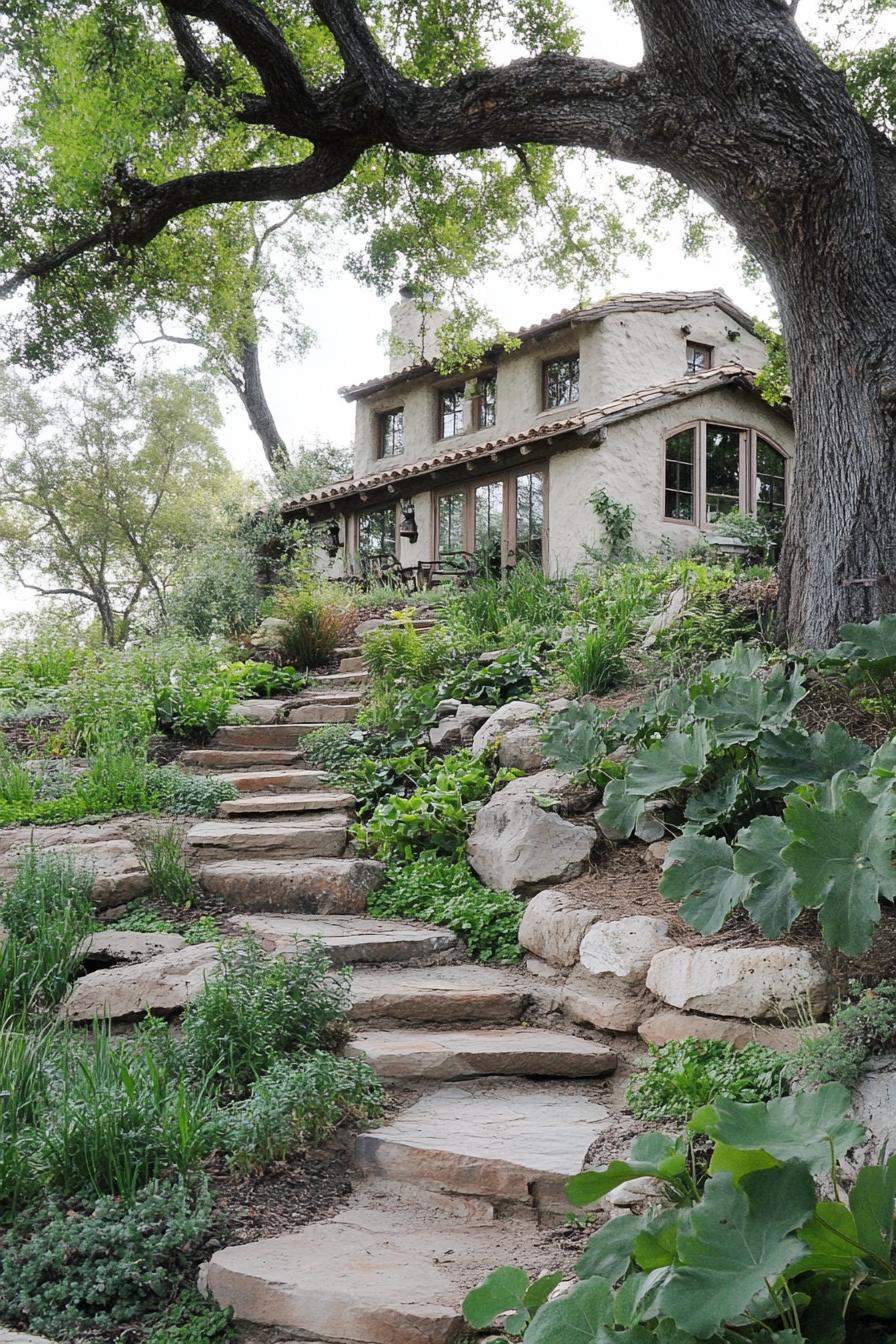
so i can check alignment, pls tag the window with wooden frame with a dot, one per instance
(451, 412)
(391, 432)
(484, 403)
(500, 521)
(561, 381)
(376, 532)
(712, 469)
(698, 357)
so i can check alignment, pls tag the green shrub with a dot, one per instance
(496, 610)
(860, 1028)
(297, 1103)
(216, 590)
(439, 814)
(682, 1076)
(334, 746)
(264, 680)
(65, 1270)
(399, 652)
(46, 912)
(170, 789)
(120, 1117)
(193, 1320)
(160, 853)
(439, 891)
(316, 625)
(257, 1008)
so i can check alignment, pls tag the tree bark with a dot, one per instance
(252, 394)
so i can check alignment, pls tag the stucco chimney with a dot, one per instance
(414, 332)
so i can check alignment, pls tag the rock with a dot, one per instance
(637, 1193)
(349, 939)
(270, 634)
(593, 1002)
(491, 656)
(508, 716)
(740, 981)
(518, 845)
(664, 1027)
(554, 925)
(621, 950)
(511, 1145)
(558, 705)
(118, 876)
(320, 835)
(458, 729)
(543, 969)
(658, 852)
(256, 711)
(300, 886)
(112, 948)
(363, 1277)
(446, 995)
(447, 708)
(15, 1337)
(522, 749)
(447, 1056)
(650, 827)
(123, 993)
(874, 1102)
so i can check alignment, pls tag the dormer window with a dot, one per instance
(451, 412)
(391, 433)
(699, 357)
(561, 381)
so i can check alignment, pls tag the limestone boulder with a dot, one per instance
(621, 950)
(746, 982)
(874, 1102)
(522, 748)
(118, 876)
(256, 711)
(519, 844)
(554, 925)
(458, 729)
(598, 1001)
(114, 948)
(502, 721)
(270, 634)
(123, 993)
(664, 1027)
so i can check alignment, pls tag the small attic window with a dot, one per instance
(699, 357)
(391, 433)
(561, 381)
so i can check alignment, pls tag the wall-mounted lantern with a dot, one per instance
(408, 521)
(332, 539)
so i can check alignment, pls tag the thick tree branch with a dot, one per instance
(360, 52)
(200, 70)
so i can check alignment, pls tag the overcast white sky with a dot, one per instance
(349, 319)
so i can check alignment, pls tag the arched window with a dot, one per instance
(710, 469)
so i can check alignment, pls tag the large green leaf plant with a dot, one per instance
(740, 1247)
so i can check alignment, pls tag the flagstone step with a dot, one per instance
(378, 622)
(344, 697)
(320, 836)
(337, 679)
(273, 781)
(348, 651)
(257, 804)
(210, 758)
(508, 1142)
(444, 995)
(298, 886)
(258, 711)
(353, 663)
(351, 939)
(453, 1055)
(318, 714)
(270, 736)
(364, 1277)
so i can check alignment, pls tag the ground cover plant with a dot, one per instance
(445, 891)
(682, 1076)
(862, 1026)
(740, 1248)
(108, 1142)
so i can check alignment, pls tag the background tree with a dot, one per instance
(283, 102)
(102, 494)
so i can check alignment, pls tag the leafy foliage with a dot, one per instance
(160, 853)
(742, 1250)
(46, 914)
(439, 891)
(862, 1026)
(682, 1076)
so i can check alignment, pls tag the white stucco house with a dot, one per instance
(649, 397)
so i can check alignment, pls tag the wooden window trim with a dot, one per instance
(355, 532)
(545, 366)
(381, 417)
(747, 500)
(509, 478)
(709, 351)
(441, 392)
(478, 403)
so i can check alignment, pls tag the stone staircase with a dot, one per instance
(496, 1114)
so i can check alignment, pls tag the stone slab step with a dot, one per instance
(445, 995)
(318, 714)
(258, 804)
(510, 1143)
(209, 758)
(312, 697)
(348, 651)
(351, 939)
(453, 1055)
(274, 781)
(258, 711)
(336, 679)
(299, 886)
(321, 836)
(354, 663)
(162, 985)
(363, 1277)
(377, 623)
(277, 736)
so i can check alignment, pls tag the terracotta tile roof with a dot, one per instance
(582, 424)
(666, 302)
